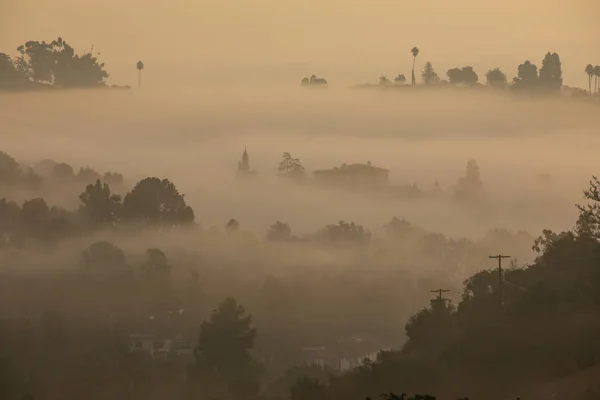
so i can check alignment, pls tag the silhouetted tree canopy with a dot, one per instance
(527, 77)
(400, 79)
(551, 73)
(99, 205)
(291, 167)
(279, 231)
(464, 75)
(224, 346)
(429, 75)
(589, 215)
(496, 78)
(104, 255)
(156, 264)
(10, 172)
(156, 201)
(345, 232)
(57, 63)
(11, 77)
(232, 226)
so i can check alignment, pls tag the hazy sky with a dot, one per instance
(349, 41)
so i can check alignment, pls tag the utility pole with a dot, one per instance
(500, 257)
(439, 303)
(439, 292)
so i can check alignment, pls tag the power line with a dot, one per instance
(500, 257)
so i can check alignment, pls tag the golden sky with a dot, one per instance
(353, 40)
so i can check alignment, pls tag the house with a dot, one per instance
(353, 176)
(161, 348)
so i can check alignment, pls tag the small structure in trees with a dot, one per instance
(314, 81)
(353, 176)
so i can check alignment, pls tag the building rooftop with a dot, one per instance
(354, 168)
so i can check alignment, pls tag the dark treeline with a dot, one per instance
(547, 79)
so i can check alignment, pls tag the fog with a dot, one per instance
(196, 138)
(223, 77)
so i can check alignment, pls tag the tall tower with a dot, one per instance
(244, 164)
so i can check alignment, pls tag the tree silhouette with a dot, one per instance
(527, 77)
(279, 231)
(344, 232)
(34, 213)
(140, 67)
(551, 73)
(415, 53)
(431, 326)
(590, 213)
(104, 255)
(156, 264)
(10, 76)
(232, 226)
(87, 175)
(99, 205)
(454, 75)
(291, 167)
(589, 70)
(10, 170)
(39, 60)
(383, 80)
(63, 172)
(224, 347)
(57, 63)
(156, 202)
(496, 78)
(597, 76)
(464, 75)
(429, 75)
(400, 79)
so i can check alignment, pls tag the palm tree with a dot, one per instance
(597, 75)
(140, 67)
(383, 80)
(590, 71)
(415, 53)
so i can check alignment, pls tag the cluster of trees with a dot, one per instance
(547, 79)
(290, 309)
(593, 73)
(14, 175)
(535, 324)
(152, 202)
(51, 64)
(482, 347)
